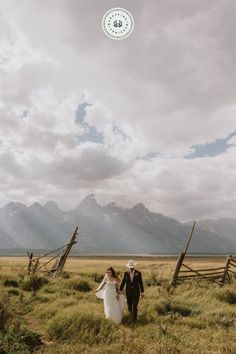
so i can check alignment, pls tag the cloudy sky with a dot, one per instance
(150, 118)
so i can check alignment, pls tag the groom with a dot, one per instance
(134, 287)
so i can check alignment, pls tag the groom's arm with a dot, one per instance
(141, 283)
(123, 283)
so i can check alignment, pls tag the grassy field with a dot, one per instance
(63, 315)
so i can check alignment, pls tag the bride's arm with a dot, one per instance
(102, 284)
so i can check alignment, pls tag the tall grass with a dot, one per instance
(84, 327)
(15, 336)
(193, 318)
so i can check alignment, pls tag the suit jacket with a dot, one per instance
(132, 287)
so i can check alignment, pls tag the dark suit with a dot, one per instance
(133, 289)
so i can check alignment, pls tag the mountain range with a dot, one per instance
(109, 229)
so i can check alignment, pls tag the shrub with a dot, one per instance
(81, 285)
(34, 283)
(6, 312)
(21, 341)
(153, 280)
(183, 310)
(11, 282)
(65, 275)
(163, 309)
(227, 296)
(87, 328)
(97, 277)
(169, 308)
(2, 351)
(13, 292)
(49, 290)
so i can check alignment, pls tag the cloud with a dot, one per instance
(81, 113)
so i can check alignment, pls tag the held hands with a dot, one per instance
(118, 292)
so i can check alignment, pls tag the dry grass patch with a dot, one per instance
(195, 317)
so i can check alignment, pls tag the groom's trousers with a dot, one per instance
(132, 302)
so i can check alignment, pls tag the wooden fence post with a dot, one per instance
(177, 268)
(225, 272)
(30, 255)
(181, 258)
(64, 255)
(34, 270)
(190, 236)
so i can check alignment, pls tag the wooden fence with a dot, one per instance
(58, 258)
(232, 264)
(217, 274)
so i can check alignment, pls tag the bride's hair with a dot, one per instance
(113, 272)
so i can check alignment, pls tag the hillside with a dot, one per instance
(106, 229)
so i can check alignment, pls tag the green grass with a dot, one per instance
(34, 283)
(62, 315)
(21, 340)
(227, 296)
(80, 285)
(11, 282)
(85, 327)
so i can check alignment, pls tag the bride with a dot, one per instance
(114, 301)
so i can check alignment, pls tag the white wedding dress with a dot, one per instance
(113, 307)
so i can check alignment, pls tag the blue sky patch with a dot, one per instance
(91, 133)
(80, 114)
(217, 147)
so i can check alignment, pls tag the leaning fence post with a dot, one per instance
(190, 236)
(225, 272)
(181, 258)
(177, 268)
(30, 255)
(63, 257)
(34, 270)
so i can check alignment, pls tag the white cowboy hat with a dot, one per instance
(131, 264)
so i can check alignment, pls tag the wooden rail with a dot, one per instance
(39, 265)
(219, 274)
(232, 264)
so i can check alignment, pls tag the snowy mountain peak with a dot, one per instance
(51, 204)
(113, 207)
(140, 208)
(14, 207)
(88, 201)
(53, 209)
(36, 206)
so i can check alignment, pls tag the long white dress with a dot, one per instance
(113, 307)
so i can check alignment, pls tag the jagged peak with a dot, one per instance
(51, 205)
(36, 205)
(89, 201)
(90, 197)
(139, 207)
(114, 205)
(15, 206)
